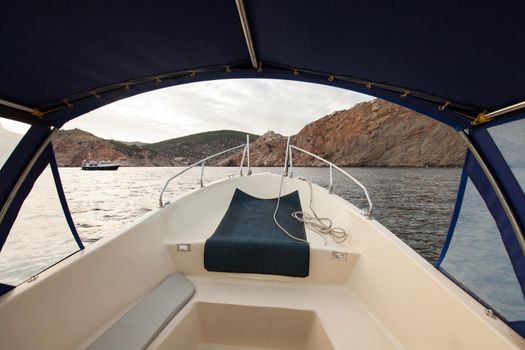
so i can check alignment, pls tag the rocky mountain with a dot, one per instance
(198, 146)
(73, 146)
(375, 133)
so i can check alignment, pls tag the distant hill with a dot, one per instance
(135, 143)
(73, 146)
(198, 146)
(375, 133)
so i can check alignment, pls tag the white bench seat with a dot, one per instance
(140, 325)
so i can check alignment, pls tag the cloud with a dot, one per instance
(251, 105)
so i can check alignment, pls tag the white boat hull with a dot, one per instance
(372, 292)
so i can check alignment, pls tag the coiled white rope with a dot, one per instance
(321, 226)
(275, 215)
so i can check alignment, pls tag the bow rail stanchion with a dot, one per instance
(248, 153)
(287, 154)
(242, 161)
(202, 163)
(332, 166)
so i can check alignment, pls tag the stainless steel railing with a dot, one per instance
(202, 163)
(288, 171)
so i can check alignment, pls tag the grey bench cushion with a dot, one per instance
(140, 325)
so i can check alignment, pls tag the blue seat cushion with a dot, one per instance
(247, 239)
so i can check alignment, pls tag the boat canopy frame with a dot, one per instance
(17, 174)
(455, 69)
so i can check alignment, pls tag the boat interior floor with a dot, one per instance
(239, 313)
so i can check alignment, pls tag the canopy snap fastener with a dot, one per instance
(330, 78)
(369, 85)
(295, 72)
(94, 94)
(490, 313)
(69, 105)
(32, 278)
(480, 119)
(193, 73)
(442, 108)
(37, 113)
(157, 79)
(405, 94)
(228, 69)
(126, 86)
(260, 68)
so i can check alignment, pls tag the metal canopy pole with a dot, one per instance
(16, 106)
(248, 153)
(25, 173)
(286, 155)
(246, 30)
(506, 110)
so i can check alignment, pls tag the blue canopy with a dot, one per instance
(458, 62)
(461, 57)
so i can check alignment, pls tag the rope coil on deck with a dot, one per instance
(321, 226)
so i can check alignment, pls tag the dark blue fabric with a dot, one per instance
(4, 288)
(483, 142)
(457, 208)
(507, 233)
(13, 169)
(62, 197)
(446, 116)
(518, 326)
(53, 50)
(25, 189)
(511, 190)
(502, 172)
(419, 45)
(247, 239)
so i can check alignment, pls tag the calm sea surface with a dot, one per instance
(414, 203)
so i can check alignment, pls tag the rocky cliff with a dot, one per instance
(198, 146)
(375, 133)
(73, 146)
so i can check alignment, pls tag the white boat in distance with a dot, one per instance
(99, 165)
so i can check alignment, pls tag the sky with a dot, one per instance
(249, 105)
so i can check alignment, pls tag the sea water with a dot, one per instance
(414, 203)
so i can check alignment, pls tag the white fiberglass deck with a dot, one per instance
(341, 315)
(371, 292)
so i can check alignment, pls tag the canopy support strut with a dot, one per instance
(247, 33)
(506, 110)
(16, 106)
(25, 173)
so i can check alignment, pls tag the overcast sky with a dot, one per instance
(250, 105)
